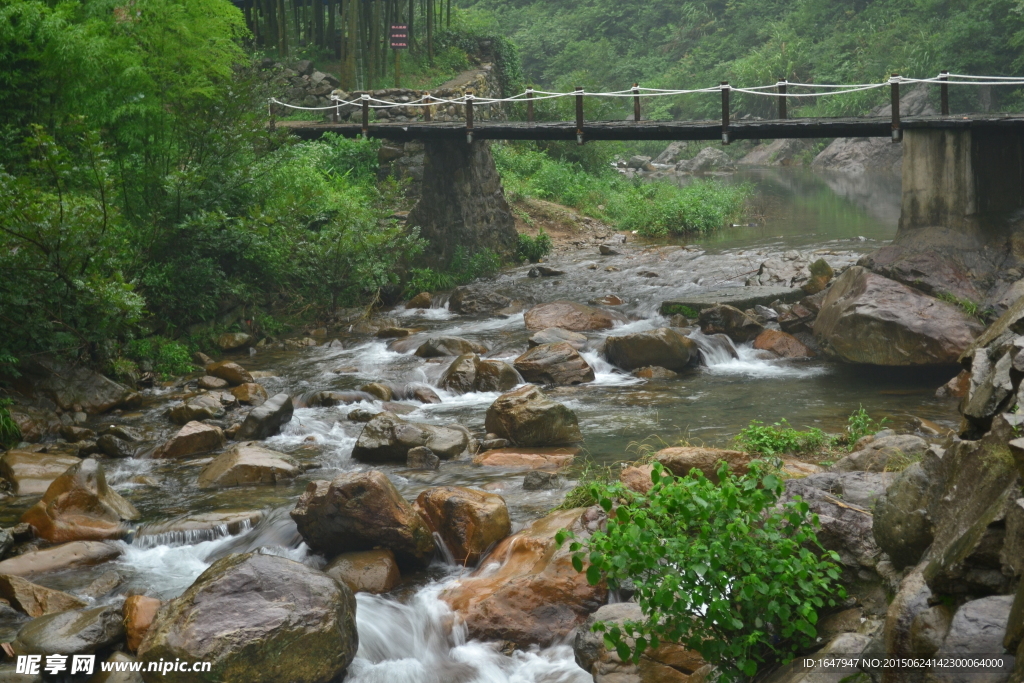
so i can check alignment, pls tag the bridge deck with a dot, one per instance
(864, 127)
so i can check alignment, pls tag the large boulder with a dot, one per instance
(328, 399)
(978, 627)
(229, 341)
(469, 373)
(192, 439)
(527, 591)
(389, 438)
(72, 632)
(470, 300)
(866, 318)
(438, 347)
(71, 387)
(35, 424)
(139, 612)
(251, 394)
(884, 454)
(79, 506)
(35, 600)
(679, 460)
(570, 315)
(267, 419)
(782, 344)
(845, 527)
(232, 373)
(469, 522)
(367, 571)
(256, 618)
(362, 511)
(526, 417)
(664, 347)
(496, 375)
(247, 464)
(558, 363)
(64, 556)
(199, 408)
(730, 321)
(555, 335)
(994, 366)
(30, 474)
(460, 376)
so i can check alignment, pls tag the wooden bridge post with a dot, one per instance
(366, 116)
(782, 97)
(897, 132)
(725, 112)
(944, 92)
(579, 115)
(428, 110)
(529, 105)
(636, 102)
(469, 117)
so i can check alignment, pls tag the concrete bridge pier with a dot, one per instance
(961, 228)
(462, 202)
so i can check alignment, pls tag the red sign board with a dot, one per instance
(399, 36)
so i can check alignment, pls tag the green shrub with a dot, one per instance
(723, 569)
(463, 268)
(779, 438)
(860, 424)
(168, 358)
(10, 433)
(533, 249)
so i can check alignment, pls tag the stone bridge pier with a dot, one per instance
(462, 202)
(961, 229)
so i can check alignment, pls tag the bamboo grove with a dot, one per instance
(356, 32)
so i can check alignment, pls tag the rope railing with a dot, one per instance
(779, 90)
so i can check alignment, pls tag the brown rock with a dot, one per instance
(468, 521)
(253, 394)
(74, 388)
(570, 316)
(35, 600)
(248, 464)
(730, 321)
(460, 376)
(74, 434)
(664, 347)
(654, 372)
(229, 341)
(556, 363)
(425, 395)
(30, 474)
(79, 506)
(957, 387)
(388, 438)
(782, 344)
(554, 335)
(533, 595)
(138, 611)
(233, 373)
(369, 571)
(267, 419)
(637, 478)
(534, 458)
(679, 460)
(527, 417)
(34, 424)
(362, 511)
(496, 375)
(210, 382)
(378, 390)
(607, 300)
(421, 300)
(197, 409)
(438, 347)
(65, 556)
(192, 439)
(394, 332)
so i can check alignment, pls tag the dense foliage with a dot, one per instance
(726, 569)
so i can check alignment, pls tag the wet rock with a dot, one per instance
(65, 556)
(606, 300)
(496, 375)
(538, 480)
(527, 591)
(527, 417)
(115, 676)
(845, 527)
(232, 373)
(679, 460)
(476, 301)
(361, 415)
(537, 457)
(927, 270)
(138, 612)
(782, 344)
(210, 382)
(437, 347)
(35, 600)
(557, 363)
(205, 407)
(73, 434)
(394, 332)
(929, 629)
(668, 663)
(544, 271)
(104, 585)
(956, 387)
(388, 438)
(266, 420)
(425, 394)
(378, 390)
(654, 372)
(397, 408)
(35, 424)
(30, 474)
(977, 627)
(79, 506)
(362, 511)
(421, 300)
(252, 394)
(192, 439)
(867, 318)
(555, 335)
(327, 399)
(73, 632)
(884, 454)
(638, 161)
(607, 250)
(369, 571)
(730, 321)
(570, 315)
(637, 478)
(246, 465)
(229, 341)
(73, 388)
(491, 442)
(113, 447)
(664, 347)
(422, 458)
(911, 600)
(469, 522)
(200, 525)
(257, 618)
(460, 376)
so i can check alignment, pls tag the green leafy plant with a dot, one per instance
(533, 249)
(966, 305)
(779, 438)
(462, 269)
(10, 433)
(860, 424)
(726, 569)
(168, 358)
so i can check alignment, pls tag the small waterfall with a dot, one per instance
(185, 536)
(715, 349)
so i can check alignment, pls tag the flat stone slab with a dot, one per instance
(740, 297)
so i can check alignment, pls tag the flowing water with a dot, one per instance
(408, 635)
